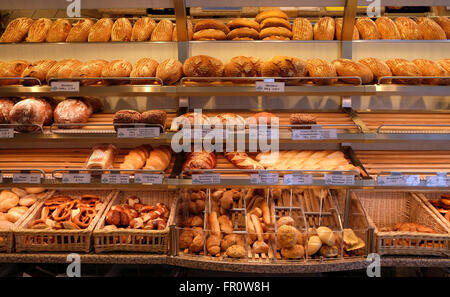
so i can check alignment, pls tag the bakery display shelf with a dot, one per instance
(312, 3)
(56, 4)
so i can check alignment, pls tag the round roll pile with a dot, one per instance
(274, 25)
(210, 29)
(243, 29)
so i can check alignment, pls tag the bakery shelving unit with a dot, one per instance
(380, 139)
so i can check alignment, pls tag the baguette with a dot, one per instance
(367, 28)
(387, 28)
(214, 223)
(430, 29)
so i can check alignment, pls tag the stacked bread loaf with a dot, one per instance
(274, 25)
(210, 29)
(243, 29)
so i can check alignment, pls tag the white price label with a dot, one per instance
(148, 178)
(313, 134)
(6, 133)
(264, 133)
(115, 179)
(339, 179)
(298, 179)
(264, 178)
(143, 132)
(206, 179)
(26, 178)
(65, 86)
(398, 180)
(267, 86)
(438, 180)
(76, 178)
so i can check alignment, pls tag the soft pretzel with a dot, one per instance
(85, 217)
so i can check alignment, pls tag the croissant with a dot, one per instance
(200, 160)
(159, 158)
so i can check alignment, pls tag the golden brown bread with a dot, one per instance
(276, 37)
(378, 68)
(346, 67)
(169, 71)
(339, 21)
(242, 33)
(430, 29)
(321, 68)
(403, 67)
(275, 31)
(444, 22)
(142, 29)
(387, 28)
(302, 29)
(243, 23)
(92, 68)
(245, 38)
(80, 31)
(408, 28)
(367, 28)
(121, 30)
(203, 66)
(59, 30)
(63, 69)
(431, 68)
(242, 66)
(211, 24)
(39, 70)
(209, 34)
(117, 68)
(135, 159)
(273, 13)
(159, 158)
(101, 31)
(12, 69)
(190, 31)
(38, 30)
(445, 63)
(284, 66)
(17, 30)
(324, 29)
(145, 67)
(275, 22)
(163, 31)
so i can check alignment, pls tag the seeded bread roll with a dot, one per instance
(430, 29)
(211, 24)
(63, 69)
(321, 68)
(274, 13)
(59, 30)
(17, 30)
(126, 117)
(38, 30)
(92, 68)
(163, 31)
(142, 29)
(444, 22)
(339, 21)
(145, 67)
(378, 68)
(324, 29)
(284, 66)
(169, 71)
(158, 117)
(12, 69)
(209, 34)
(275, 22)
(431, 68)
(6, 105)
(346, 67)
(241, 66)
(243, 32)
(203, 66)
(302, 29)
(387, 28)
(80, 31)
(117, 68)
(101, 31)
(71, 111)
(303, 119)
(39, 70)
(275, 31)
(408, 28)
(243, 23)
(121, 30)
(367, 28)
(403, 67)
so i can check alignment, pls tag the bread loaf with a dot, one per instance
(6, 105)
(102, 157)
(242, 161)
(190, 31)
(71, 111)
(243, 32)
(445, 63)
(80, 31)
(339, 21)
(387, 28)
(38, 30)
(283, 66)
(243, 23)
(63, 69)
(159, 158)
(101, 31)
(211, 24)
(273, 13)
(169, 71)
(59, 30)
(244, 38)
(275, 31)
(12, 69)
(346, 67)
(163, 31)
(275, 22)
(142, 29)
(199, 160)
(431, 68)
(403, 67)
(126, 117)
(324, 29)
(92, 68)
(145, 67)
(117, 68)
(263, 118)
(276, 37)
(121, 30)
(157, 117)
(227, 119)
(378, 68)
(241, 66)
(367, 28)
(430, 29)
(29, 111)
(191, 118)
(444, 22)
(209, 34)
(321, 68)
(17, 30)
(203, 66)
(302, 119)
(302, 29)
(39, 70)
(408, 28)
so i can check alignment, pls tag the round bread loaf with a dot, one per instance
(324, 29)
(431, 68)
(80, 31)
(12, 69)
(284, 66)
(302, 29)
(72, 111)
(273, 13)
(38, 30)
(169, 71)
(243, 32)
(209, 34)
(158, 117)
(346, 67)
(430, 29)
(145, 67)
(117, 68)
(59, 30)
(338, 23)
(121, 30)
(444, 22)
(387, 28)
(126, 117)
(95, 103)
(6, 105)
(378, 68)
(211, 24)
(63, 69)
(142, 29)
(17, 30)
(242, 66)
(243, 23)
(28, 111)
(408, 28)
(203, 66)
(264, 117)
(275, 31)
(367, 28)
(39, 70)
(101, 31)
(321, 68)
(92, 68)
(403, 67)
(275, 22)
(163, 31)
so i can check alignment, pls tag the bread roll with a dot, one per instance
(34, 190)
(59, 30)
(244, 38)
(71, 111)
(243, 32)
(283, 66)
(346, 67)
(203, 66)
(142, 29)
(121, 30)
(63, 69)
(243, 23)
(378, 68)
(80, 31)
(387, 28)
(408, 28)
(338, 22)
(302, 29)
(162, 31)
(444, 22)
(8, 200)
(145, 67)
(430, 29)
(117, 68)
(241, 66)
(367, 28)
(324, 29)
(270, 14)
(19, 192)
(17, 30)
(445, 63)
(321, 68)
(38, 30)
(12, 69)
(275, 31)
(209, 34)
(39, 70)
(28, 200)
(6, 225)
(159, 158)
(92, 68)
(169, 71)
(314, 245)
(431, 68)
(135, 159)
(275, 22)
(403, 67)
(6, 105)
(211, 24)
(15, 213)
(101, 31)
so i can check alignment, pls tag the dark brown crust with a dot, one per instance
(126, 116)
(154, 117)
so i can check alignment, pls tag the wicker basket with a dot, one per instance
(385, 209)
(7, 236)
(34, 240)
(136, 240)
(425, 197)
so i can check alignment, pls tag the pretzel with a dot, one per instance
(147, 208)
(57, 200)
(62, 213)
(85, 217)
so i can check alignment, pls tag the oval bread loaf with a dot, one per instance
(408, 28)
(203, 66)
(275, 31)
(80, 31)
(346, 67)
(355, 33)
(430, 29)
(101, 31)
(378, 68)
(321, 68)
(273, 13)
(169, 71)
(38, 30)
(121, 30)
(444, 22)
(92, 68)
(403, 67)
(39, 70)
(59, 30)
(302, 29)
(211, 24)
(17, 30)
(243, 23)
(163, 31)
(209, 34)
(142, 29)
(367, 28)
(387, 28)
(324, 29)
(431, 68)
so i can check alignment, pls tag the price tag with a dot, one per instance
(339, 179)
(115, 179)
(264, 133)
(6, 133)
(298, 179)
(314, 134)
(439, 180)
(398, 180)
(26, 178)
(268, 86)
(65, 86)
(148, 178)
(207, 178)
(264, 178)
(76, 178)
(142, 132)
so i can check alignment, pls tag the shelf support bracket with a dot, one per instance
(348, 23)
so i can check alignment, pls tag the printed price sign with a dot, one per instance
(148, 178)
(65, 86)
(339, 179)
(143, 132)
(26, 178)
(264, 178)
(298, 179)
(115, 179)
(398, 180)
(313, 134)
(438, 180)
(266, 133)
(269, 86)
(206, 179)
(6, 133)
(76, 178)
